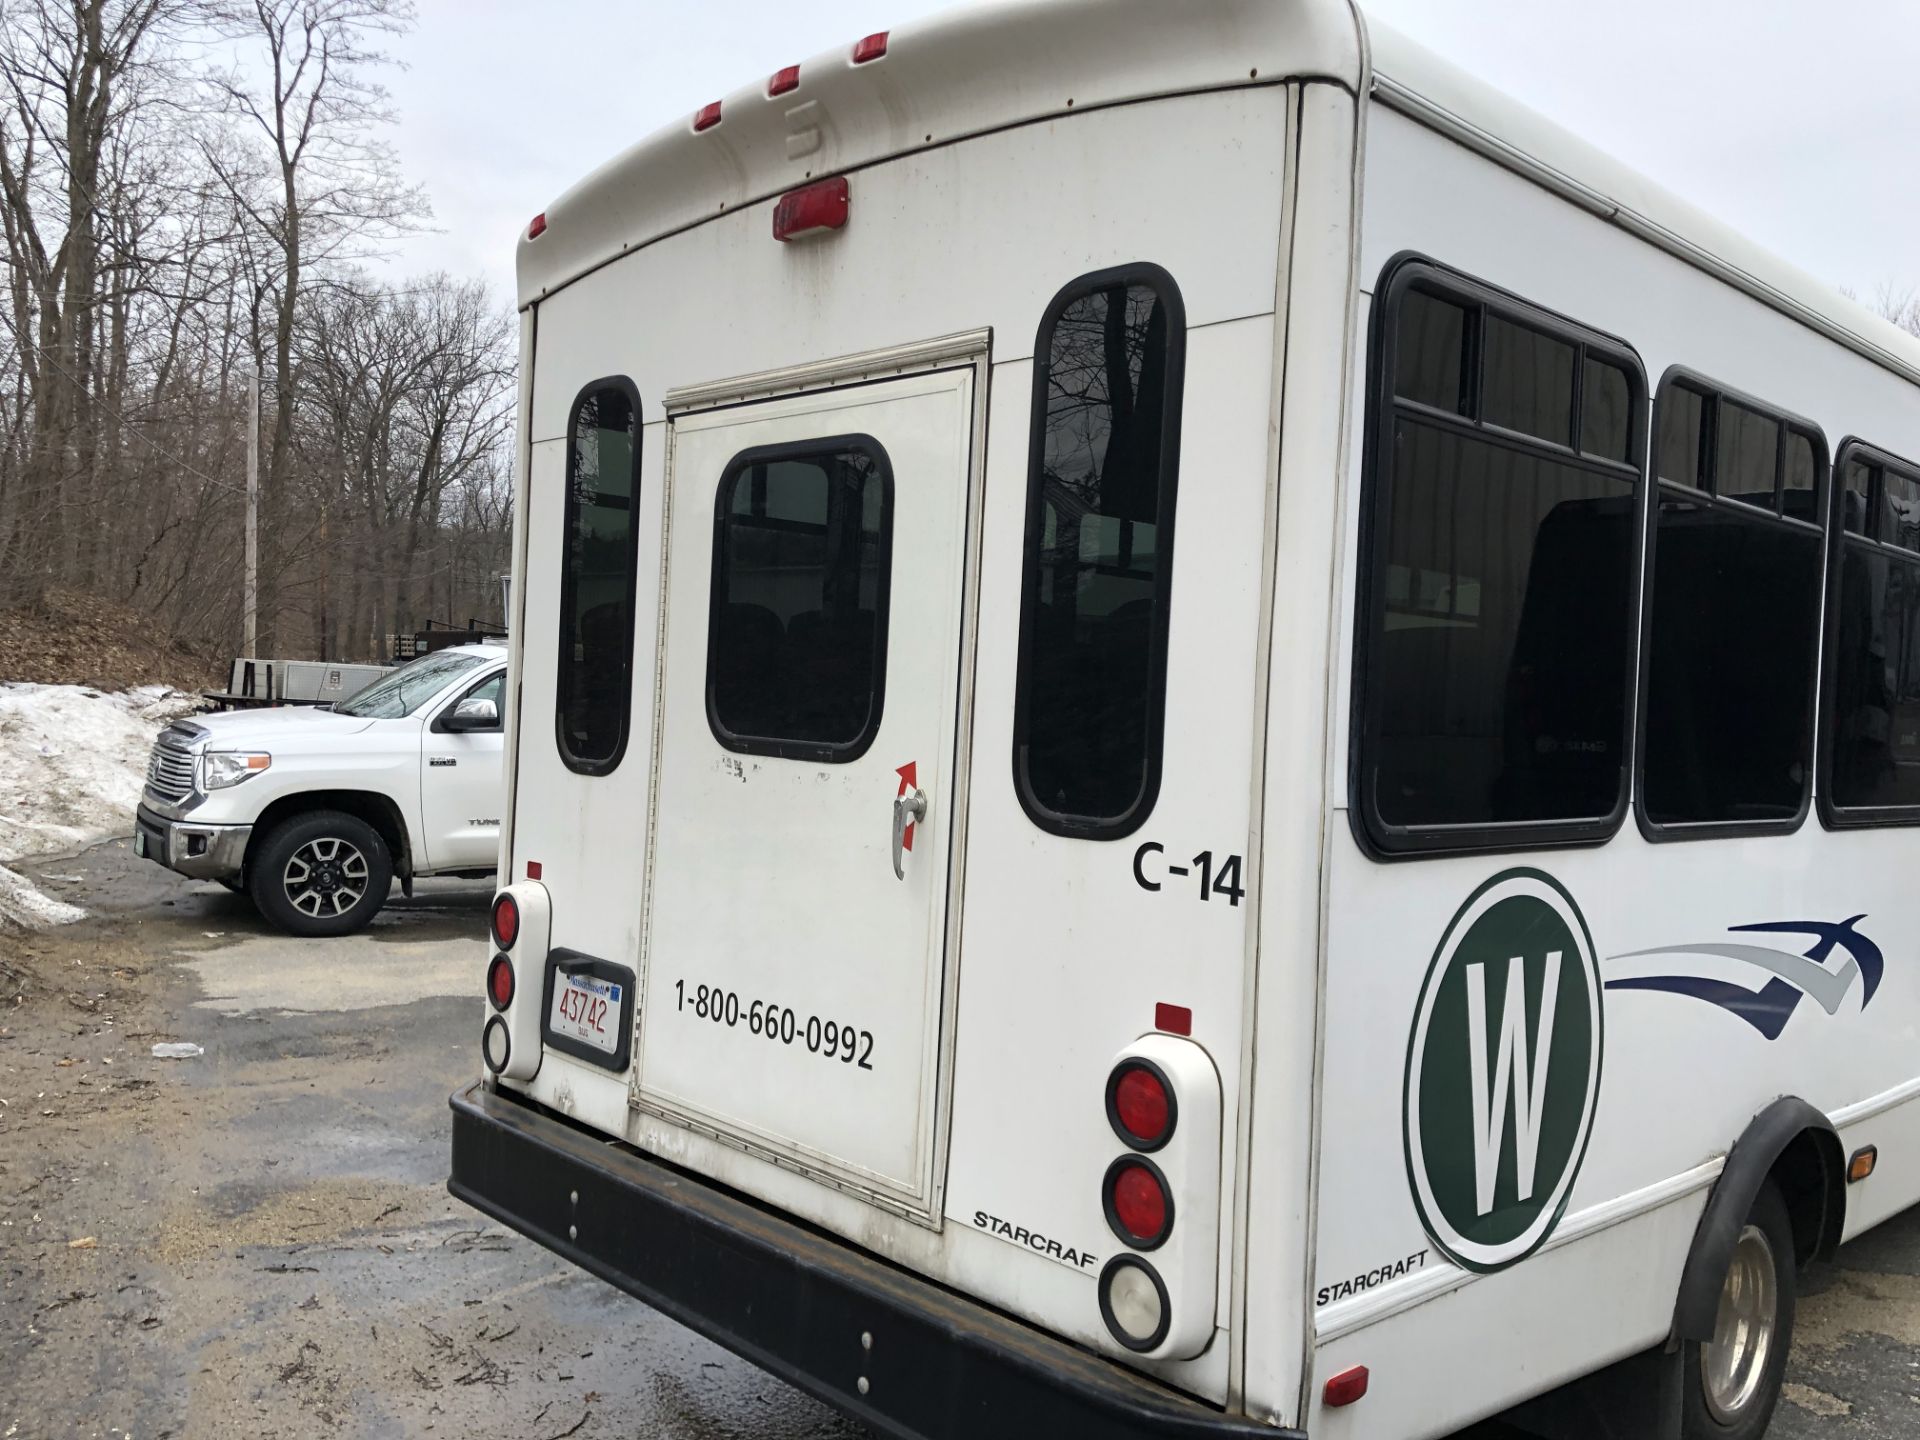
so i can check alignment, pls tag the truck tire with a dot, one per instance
(1732, 1383)
(321, 873)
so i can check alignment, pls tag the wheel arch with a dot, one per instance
(1795, 1145)
(380, 811)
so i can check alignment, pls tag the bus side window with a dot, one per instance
(1870, 754)
(1108, 371)
(1497, 604)
(1733, 604)
(594, 693)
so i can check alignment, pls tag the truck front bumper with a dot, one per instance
(900, 1354)
(205, 852)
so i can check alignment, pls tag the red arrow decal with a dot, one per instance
(909, 774)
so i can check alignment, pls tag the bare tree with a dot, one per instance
(316, 188)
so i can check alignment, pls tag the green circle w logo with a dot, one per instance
(1503, 1071)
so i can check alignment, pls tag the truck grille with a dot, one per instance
(169, 772)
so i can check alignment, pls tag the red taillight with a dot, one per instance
(506, 921)
(1138, 1203)
(1140, 1106)
(871, 48)
(822, 206)
(784, 80)
(1347, 1387)
(500, 982)
(707, 116)
(538, 227)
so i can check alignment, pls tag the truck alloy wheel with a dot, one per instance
(322, 873)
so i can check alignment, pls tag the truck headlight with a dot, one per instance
(220, 769)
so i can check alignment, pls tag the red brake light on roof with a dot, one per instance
(784, 80)
(506, 921)
(1140, 1106)
(707, 116)
(538, 227)
(820, 206)
(871, 48)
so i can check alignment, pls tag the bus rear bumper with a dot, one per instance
(896, 1352)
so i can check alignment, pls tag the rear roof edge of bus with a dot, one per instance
(963, 73)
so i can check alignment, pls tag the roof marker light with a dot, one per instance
(812, 208)
(871, 48)
(706, 117)
(783, 81)
(538, 227)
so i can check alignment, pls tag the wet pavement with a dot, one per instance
(259, 1241)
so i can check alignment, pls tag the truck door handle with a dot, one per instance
(908, 809)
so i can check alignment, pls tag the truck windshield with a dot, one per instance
(411, 686)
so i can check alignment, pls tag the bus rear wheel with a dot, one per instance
(1733, 1380)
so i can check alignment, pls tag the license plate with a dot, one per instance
(587, 1009)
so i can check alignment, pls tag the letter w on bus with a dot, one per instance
(1517, 1085)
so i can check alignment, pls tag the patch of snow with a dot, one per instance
(72, 763)
(24, 908)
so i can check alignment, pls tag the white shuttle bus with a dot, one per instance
(1209, 737)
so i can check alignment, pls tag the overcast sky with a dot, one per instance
(1795, 121)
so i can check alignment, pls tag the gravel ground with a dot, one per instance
(259, 1241)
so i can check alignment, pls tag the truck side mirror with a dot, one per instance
(473, 714)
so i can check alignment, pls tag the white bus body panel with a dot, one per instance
(1680, 1078)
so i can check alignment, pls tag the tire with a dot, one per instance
(322, 873)
(1732, 1384)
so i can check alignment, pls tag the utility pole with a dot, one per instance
(251, 604)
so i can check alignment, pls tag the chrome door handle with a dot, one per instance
(908, 809)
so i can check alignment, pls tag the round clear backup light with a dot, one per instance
(1133, 1302)
(495, 1047)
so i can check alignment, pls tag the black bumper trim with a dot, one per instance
(796, 1303)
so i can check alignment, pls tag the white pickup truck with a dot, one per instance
(315, 813)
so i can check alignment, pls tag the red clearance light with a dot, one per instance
(1174, 1019)
(538, 227)
(871, 48)
(1139, 1206)
(500, 982)
(506, 921)
(1139, 1105)
(821, 206)
(784, 80)
(533, 869)
(706, 117)
(1347, 1387)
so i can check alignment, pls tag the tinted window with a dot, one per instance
(1497, 638)
(1432, 344)
(797, 635)
(1873, 698)
(1606, 417)
(1732, 622)
(596, 578)
(1681, 453)
(1747, 465)
(1529, 381)
(1099, 543)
